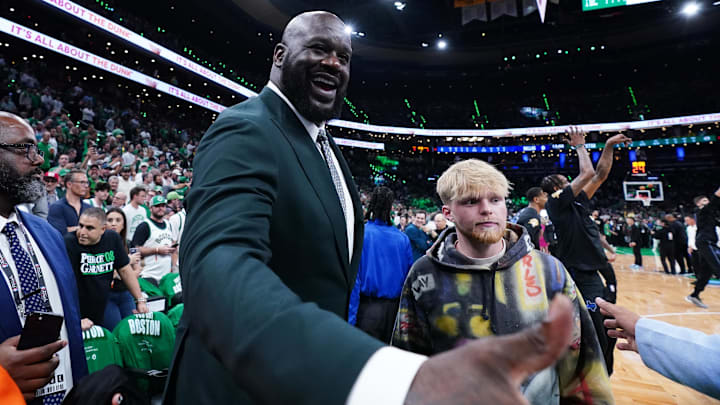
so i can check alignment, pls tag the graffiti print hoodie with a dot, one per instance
(449, 299)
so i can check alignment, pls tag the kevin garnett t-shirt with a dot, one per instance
(93, 267)
(579, 245)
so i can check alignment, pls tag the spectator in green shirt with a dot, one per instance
(47, 150)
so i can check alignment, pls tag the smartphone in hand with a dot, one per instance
(41, 328)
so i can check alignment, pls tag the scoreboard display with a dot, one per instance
(590, 5)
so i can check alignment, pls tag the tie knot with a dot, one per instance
(322, 135)
(9, 228)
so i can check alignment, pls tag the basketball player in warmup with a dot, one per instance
(706, 241)
(579, 246)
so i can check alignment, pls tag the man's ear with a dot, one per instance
(447, 213)
(279, 55)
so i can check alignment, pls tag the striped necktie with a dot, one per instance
(322, 139)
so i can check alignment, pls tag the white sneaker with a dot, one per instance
(696, 301)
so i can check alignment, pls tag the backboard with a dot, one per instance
(643, 191)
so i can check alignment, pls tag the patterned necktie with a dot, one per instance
(29, 284)
(322, 139)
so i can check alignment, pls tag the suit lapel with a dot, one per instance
(313, 166)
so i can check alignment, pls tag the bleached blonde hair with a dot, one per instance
(470, 178)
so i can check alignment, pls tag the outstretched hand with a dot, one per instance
(490, 371)
(575, 136)
(618, 139)
(622, 325)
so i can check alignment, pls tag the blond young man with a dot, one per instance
(484, 278)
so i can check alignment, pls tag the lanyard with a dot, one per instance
(14, 283)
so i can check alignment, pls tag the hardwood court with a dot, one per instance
(652, 293)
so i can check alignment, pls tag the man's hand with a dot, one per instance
(86, 324)
(618, 139)
(690, 250)
(490, 370)
(623, 324)
(141, 308)
(135, 258)
(31, 369)
(575, 136)
(165, 250)
(611, 257)
(632, 244)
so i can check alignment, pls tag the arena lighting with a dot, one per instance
(399, 6)
(442, 44)
(111, 27)
(717, 3)
(424, 44)
(690, 9)
(348, 29)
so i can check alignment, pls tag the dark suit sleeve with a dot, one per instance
(278, 348)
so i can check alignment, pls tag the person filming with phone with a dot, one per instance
(43, 354)
(95, 252)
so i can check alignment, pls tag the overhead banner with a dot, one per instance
(126, 34)
(144, 43)
(560, 146)
(55, 45)
(542, 8)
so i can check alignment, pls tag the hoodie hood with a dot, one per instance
(517, 246)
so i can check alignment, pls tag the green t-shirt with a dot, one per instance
(170, 285)
(45, 149)
(149, 288)
(146, 340)
(176, 313)
(101, 349)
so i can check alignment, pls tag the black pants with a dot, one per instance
(709, 264)
(667, 254)
(376, 316)
(638, 254)
(679, 256)
(591, 286)
(682, 257)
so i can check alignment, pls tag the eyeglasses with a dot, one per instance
(31, 150)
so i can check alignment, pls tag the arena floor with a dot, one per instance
(650, 292)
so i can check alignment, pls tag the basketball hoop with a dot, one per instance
(645, 199)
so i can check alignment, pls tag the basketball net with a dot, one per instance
(644, 199)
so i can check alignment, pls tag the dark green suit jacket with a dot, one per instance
(265, 268)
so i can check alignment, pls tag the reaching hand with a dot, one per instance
(31, 369)
(490, 370)
(618, 139)
(575, 136)
(86, 324)
(623, 324)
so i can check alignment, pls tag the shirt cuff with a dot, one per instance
(386, 377)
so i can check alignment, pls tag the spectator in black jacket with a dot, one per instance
(664, 234)
(634, 238)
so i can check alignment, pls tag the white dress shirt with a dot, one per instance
(65, 366)
(388, 374)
